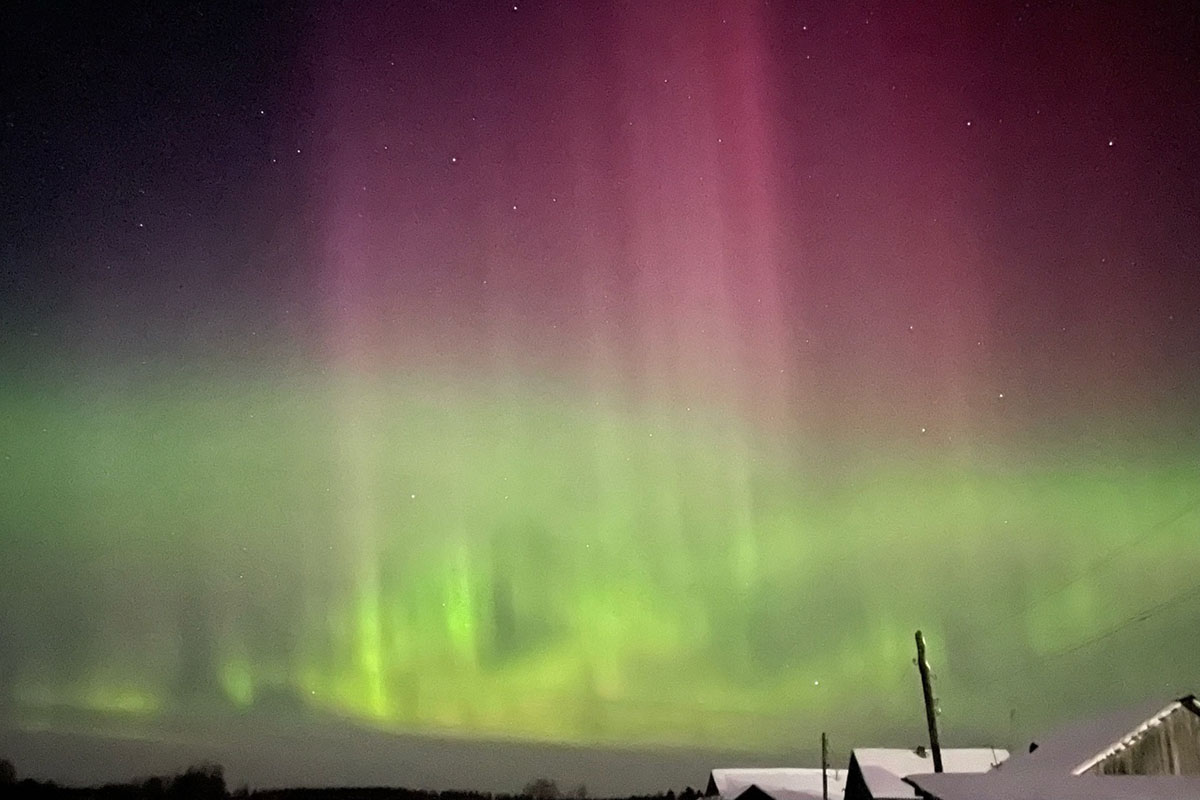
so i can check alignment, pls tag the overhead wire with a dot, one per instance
(1027, 661)
(1141, 616)
(1106, 558)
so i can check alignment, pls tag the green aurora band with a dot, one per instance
(420, 554)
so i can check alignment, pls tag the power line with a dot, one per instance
(1027, 662)
(1108, 557)
(1024, 665)
(1140, 616)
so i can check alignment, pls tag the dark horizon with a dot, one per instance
(346, 756)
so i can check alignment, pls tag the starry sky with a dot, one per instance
(447, 393)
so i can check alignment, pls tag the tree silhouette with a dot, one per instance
(200, 782)
(542, 789)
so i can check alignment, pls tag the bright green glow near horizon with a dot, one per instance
(515, 565)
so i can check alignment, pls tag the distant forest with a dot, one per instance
(207, 782)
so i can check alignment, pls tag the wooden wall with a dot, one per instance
(1170, 748)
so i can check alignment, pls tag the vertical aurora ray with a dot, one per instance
(693, 324)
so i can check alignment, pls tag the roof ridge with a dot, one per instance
(1132, 737)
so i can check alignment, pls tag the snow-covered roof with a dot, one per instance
(1000, 785)
(1058, 767)
(885, 785)
(1078, 746)
(901, 762)
(1131, 737)
(755, 793)
(781, 783)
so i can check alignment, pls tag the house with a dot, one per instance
(785, 783)
(1146, 752)
(877, 773)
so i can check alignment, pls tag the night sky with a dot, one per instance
(483, 390)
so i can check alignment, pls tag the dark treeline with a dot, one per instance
(207, 782)
(199, 782)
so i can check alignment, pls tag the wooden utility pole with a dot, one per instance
(930, 712)
(824, 766)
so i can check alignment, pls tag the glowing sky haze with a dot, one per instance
(613, 375)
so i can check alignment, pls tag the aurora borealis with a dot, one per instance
(617, 375)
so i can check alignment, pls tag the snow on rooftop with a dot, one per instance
(901, 762)
(1037, 785)
(885, 785)
(782, 783)
(1129, 738)
(1071, 748)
